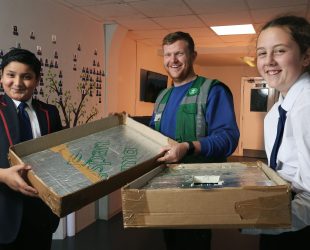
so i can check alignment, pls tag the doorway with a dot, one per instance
(256, 100)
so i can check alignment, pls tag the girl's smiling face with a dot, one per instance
(279, 60)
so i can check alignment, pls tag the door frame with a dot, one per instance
(272, 97)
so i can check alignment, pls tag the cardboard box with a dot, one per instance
(76, 166)
(252, 195)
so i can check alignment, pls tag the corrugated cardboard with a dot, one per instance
(247, 205)
(71, 180)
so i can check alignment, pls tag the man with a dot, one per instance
(25, 221)
(199, 114)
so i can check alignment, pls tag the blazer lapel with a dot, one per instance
(11, 118)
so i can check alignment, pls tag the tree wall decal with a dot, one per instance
(73, 111)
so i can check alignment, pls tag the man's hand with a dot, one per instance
(174, 153)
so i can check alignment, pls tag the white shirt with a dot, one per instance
(36, 132)
(293, 161)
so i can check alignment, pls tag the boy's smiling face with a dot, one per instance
(19, 81)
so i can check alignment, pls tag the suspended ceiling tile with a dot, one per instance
(148, 21)
(90, 2)
(216, 6)
(179, 22)
(265, 4)
(263, 15)
(138, 23)
(162, 8)
(198, 32)
(229, 18)
(139, 34)
(109, 11)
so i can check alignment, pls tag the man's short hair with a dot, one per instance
(179, 35)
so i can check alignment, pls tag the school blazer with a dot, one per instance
(12, 203)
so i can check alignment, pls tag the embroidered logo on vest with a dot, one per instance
(193, 91)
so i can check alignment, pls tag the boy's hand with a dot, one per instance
(14, 177)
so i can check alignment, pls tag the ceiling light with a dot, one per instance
(249, 60)
(234, 29)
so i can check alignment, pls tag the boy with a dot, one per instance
(25, 221)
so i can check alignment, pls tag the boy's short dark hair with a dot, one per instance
(23, 56)
(179, 35)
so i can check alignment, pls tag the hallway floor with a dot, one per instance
(110, 235)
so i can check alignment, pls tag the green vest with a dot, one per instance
(191, 122)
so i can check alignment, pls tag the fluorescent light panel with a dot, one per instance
(234, 29)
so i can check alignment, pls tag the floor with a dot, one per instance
(110, 235)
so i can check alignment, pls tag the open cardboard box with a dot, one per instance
(76, 166)
(253, 196)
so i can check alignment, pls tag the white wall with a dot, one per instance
(149, 59)
(127, 75)
(114, 37)
(45, 19)
(126, 58)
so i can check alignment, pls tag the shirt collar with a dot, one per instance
(29, 103)
(293, 93)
